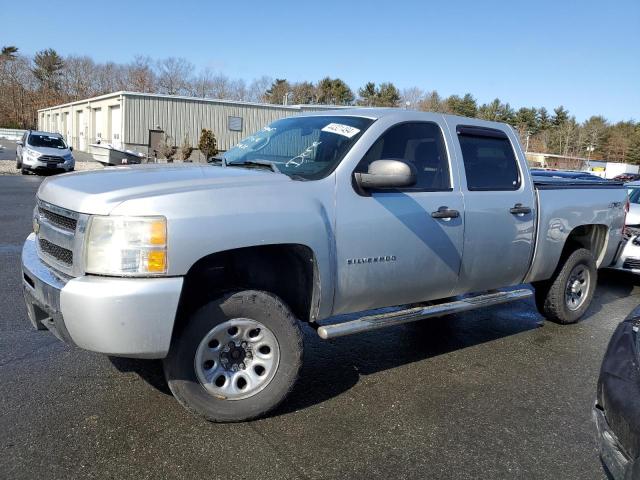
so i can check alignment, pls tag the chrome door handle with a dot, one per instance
(445, 212)
(519, 209)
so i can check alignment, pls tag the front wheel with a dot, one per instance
(566, 296)
(237, 358)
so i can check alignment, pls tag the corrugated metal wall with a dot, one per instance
(180, 116)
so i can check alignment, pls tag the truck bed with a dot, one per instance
(562, 207)
(550, 183)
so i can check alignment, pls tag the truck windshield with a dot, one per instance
(308, 148)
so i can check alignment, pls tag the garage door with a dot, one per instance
(115, 122)
(80, 131)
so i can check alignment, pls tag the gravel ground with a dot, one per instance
(8, 167)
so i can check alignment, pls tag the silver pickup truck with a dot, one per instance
(214, 268)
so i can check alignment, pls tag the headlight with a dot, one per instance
(127, 246)
(33, 154)
(68, 156)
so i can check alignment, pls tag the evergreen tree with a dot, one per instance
(561, 116)
(8, 53)
(277, 92)
(388, 95)
(368, 94)
(465, 106)
(633, 154)
(47, 69)
(544, 121)
(208, 144)
(333, 91)
(303, 93)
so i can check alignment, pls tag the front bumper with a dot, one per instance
(611, 452)
(129, 317)
(629, 258)
(36, 165)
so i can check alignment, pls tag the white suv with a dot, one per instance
(43, 152)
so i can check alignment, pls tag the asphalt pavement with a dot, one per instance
(496, 393)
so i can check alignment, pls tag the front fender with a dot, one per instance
(204, 222)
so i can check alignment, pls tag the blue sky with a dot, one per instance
(584, 55)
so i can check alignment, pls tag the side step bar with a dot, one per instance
(382, 320)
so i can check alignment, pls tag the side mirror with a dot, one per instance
(70, 148)
(387, 174)
(20, 142)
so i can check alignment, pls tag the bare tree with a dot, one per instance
(110, 77)
(258, 88)
(432, 102)
(140, 76)
(239, 90)
(412, 96)
(221, 87)
(78, 77)
(202, 85)
(174, 75)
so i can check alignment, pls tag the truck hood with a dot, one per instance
(99, 192)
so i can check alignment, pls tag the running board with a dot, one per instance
(382, 320)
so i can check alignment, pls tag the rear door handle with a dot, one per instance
(519, 209)
(445, 212)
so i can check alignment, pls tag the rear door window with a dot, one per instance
(489, 160)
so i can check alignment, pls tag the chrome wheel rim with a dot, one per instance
(577, 288)
(237, 359)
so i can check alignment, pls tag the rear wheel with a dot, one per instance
(566, 296)
(237, 358)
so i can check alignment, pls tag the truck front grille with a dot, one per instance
(61, 254)
(58, 220)
(60, 233)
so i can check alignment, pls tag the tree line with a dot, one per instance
(47, 79)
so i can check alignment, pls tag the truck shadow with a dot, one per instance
(333, 367)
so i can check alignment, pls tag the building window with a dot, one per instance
(235, 124)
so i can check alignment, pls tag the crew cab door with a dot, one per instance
(390, 248)
(499, 208)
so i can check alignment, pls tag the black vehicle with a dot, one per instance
(617, 409)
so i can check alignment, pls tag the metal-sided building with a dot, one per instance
(125, 119)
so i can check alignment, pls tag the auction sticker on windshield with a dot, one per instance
(340, 129)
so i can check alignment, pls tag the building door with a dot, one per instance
(68, 131)
(96, 126)
(80, 131)
(115, 126)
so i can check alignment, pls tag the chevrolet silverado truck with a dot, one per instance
(214, 268)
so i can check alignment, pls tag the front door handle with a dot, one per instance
(519, 209)
(445, 212)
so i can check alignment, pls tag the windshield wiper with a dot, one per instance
(257, 163)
